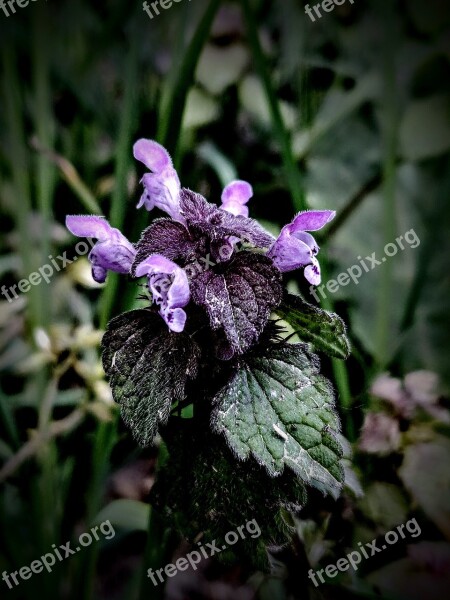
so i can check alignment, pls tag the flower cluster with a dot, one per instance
(197, 230)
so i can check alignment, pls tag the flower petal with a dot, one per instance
(312, 273)
(112, 252)
(89, 226)
(113, 256)
(237, 191)
(175, 319)
(179, 294)
(154, 156)
(312, 220)
(99, 274)
(156, 264)
(169, 286)
(235, 208)
(289, 253)
(308, 239)
(162, 190)
(162, 185)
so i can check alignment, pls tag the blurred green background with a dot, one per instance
(350, 112)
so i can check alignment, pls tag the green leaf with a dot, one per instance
(278, 409)
(148, 367)
(206, 490)
(325, 330)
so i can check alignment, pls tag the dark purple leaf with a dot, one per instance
(240, 299)
(207, 219)
(168, 238)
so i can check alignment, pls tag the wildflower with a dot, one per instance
(295, 248)
(169, 286)
(243, 285)
(162, 186)
(112, 252)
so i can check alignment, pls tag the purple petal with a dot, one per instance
(99, 274)
(162, 185)
(238, 192)
(89, 226)
(308, 239)
(112, 256)
(312, 220)
(289, 253)
(312, 273)
(169, 286)
(146, 201)
(162, 190)
(112, 252)
(175, 319)
(156, 264)
(235, 208)
(154, 156)
(179, 294)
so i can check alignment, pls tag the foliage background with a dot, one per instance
(349, 113)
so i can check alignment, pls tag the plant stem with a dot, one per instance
(292, 171)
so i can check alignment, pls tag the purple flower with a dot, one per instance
(235, 196)
(162, 185)
(296, 248)
(112, 252)
(169, 286)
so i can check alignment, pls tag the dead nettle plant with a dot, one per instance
(248, 420)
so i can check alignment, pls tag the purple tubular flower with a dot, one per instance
(112, 252)
(296, 248)
(162, 185)
(169, 286)
(235, 196)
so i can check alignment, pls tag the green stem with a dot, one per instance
(292, 172)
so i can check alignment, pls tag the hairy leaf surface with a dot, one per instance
(278, 409)
(168, 238)
(239, 300)
(207, 219)
(325, 330)
(148, 367)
